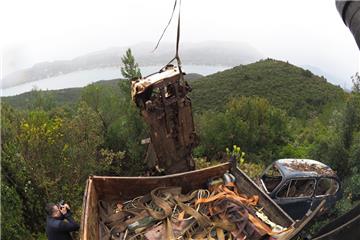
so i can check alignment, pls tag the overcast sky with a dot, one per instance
(304, 32)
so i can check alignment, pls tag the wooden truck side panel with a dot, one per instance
(89, 221)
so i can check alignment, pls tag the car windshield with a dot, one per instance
(271, 178)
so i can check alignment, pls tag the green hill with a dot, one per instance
(68, 95)
(286, 86)
(59, 97)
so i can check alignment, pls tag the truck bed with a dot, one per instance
(125, 188)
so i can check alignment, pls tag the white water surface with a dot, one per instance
(86, 77)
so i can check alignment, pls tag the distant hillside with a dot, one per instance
(205, 53)
(286, 86)
(68, 95)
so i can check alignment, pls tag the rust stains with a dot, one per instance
(166, 108)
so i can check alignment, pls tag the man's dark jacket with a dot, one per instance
(60, 228)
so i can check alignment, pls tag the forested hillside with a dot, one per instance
(285, 86)
(52, 142)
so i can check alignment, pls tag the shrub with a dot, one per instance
(12, 221)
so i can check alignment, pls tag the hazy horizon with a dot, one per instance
(305, 33)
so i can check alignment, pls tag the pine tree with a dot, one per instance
(131, 128)
(356, 83)
(130, 69)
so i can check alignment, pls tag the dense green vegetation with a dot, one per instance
(270, 108)
(251, 122)
(285, 86)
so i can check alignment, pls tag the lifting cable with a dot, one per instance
(177, 35)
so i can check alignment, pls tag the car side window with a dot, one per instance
(327, 186)
(297, 188)
(271, 178)
(283, 192)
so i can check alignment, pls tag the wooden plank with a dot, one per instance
(93, 218)
(125, 188)
(89, 221)
(83, 230)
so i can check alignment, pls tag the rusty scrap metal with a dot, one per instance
(219, 212)
(166, 108)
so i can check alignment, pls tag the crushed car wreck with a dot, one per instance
(166, 108)
(298, 185)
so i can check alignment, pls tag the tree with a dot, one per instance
(41, 142)
(18, 191)
(351, 119)
(12, 220)
(126, 134)
(338, 146)
(104, 101)
(356, 83)
(259, 128)
(354, 153)
(128, 131)
(41, 100)
(131, 69)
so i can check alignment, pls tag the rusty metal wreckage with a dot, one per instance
(166, 108)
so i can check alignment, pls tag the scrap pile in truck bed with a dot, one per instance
(218, 212)
(166, 108)
(104, 195)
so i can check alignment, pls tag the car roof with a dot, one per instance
(303, 168)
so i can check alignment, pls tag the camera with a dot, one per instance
(61, 204)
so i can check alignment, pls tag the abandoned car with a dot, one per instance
(298, 185)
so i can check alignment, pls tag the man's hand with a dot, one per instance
(64, 208)
(67, 206)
